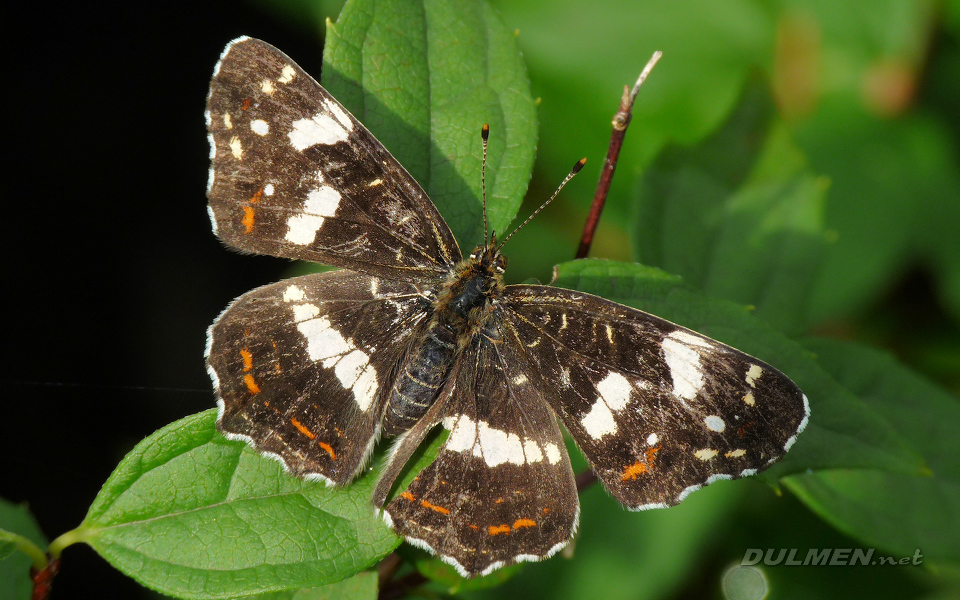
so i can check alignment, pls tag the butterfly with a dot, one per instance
(409, 335)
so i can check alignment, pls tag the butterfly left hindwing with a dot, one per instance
(302, 367)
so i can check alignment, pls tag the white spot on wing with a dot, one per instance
(340, 115)
(236, 148)
(599, 421)
(259, 127)
(753, 374)
(293, 294)
(498, 446)
(652, 439)
(226, 121)
(715, 423)
(302, 312)
(615, 391)
(553, 453)
(268, 189)
(267, 87)
(684, 363)
(287, 74)
(532, 451)
(495, 446)
(325, 344)
(705, 454)
(323, 129)
(322, 202)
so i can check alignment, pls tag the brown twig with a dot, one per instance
(43, 579)
(620, 122)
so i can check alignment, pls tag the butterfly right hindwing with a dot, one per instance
(658, 410)
(295, 175)
(303, 367)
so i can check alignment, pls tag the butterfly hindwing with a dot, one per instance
(302, 367)
(295, 175)
(501, 489)
(657, 409)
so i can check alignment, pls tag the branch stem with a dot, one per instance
(620, 122)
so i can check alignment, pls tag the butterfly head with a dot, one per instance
(488, 258)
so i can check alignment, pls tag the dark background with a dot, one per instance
(112, 272)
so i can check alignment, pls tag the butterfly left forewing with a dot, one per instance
(501, 489)
(294, 174)
(657, 409)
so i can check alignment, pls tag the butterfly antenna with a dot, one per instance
(576, 169)
(484, 135)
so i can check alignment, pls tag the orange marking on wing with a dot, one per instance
(246, 104)
(640, 467)
(251, 384)
(546, 510)
(247, 219)
(302, 429)
(495, 529)
(328, 449)
(247, 359)
(633, 471)
(256, 197)
(744, 428)
(499, 500)
(408, 496)
(277, 368)
(651, 454)
(524, 523)
(434, 507)
(473, 527)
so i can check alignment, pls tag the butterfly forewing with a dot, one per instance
(295, 175)
(501, 489)
(303, 366)
(657, 409)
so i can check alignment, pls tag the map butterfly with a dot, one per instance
(408, 335)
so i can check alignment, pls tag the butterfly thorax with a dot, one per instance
(461, 311)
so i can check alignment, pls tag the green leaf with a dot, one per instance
(15, 581)
(362, 586)
(843, 432)
(739, 216)
(7, 547)
(193, 515)
(896, 511)
(447, 576)
(424, 77)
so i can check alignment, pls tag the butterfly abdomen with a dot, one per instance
(459, 313)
